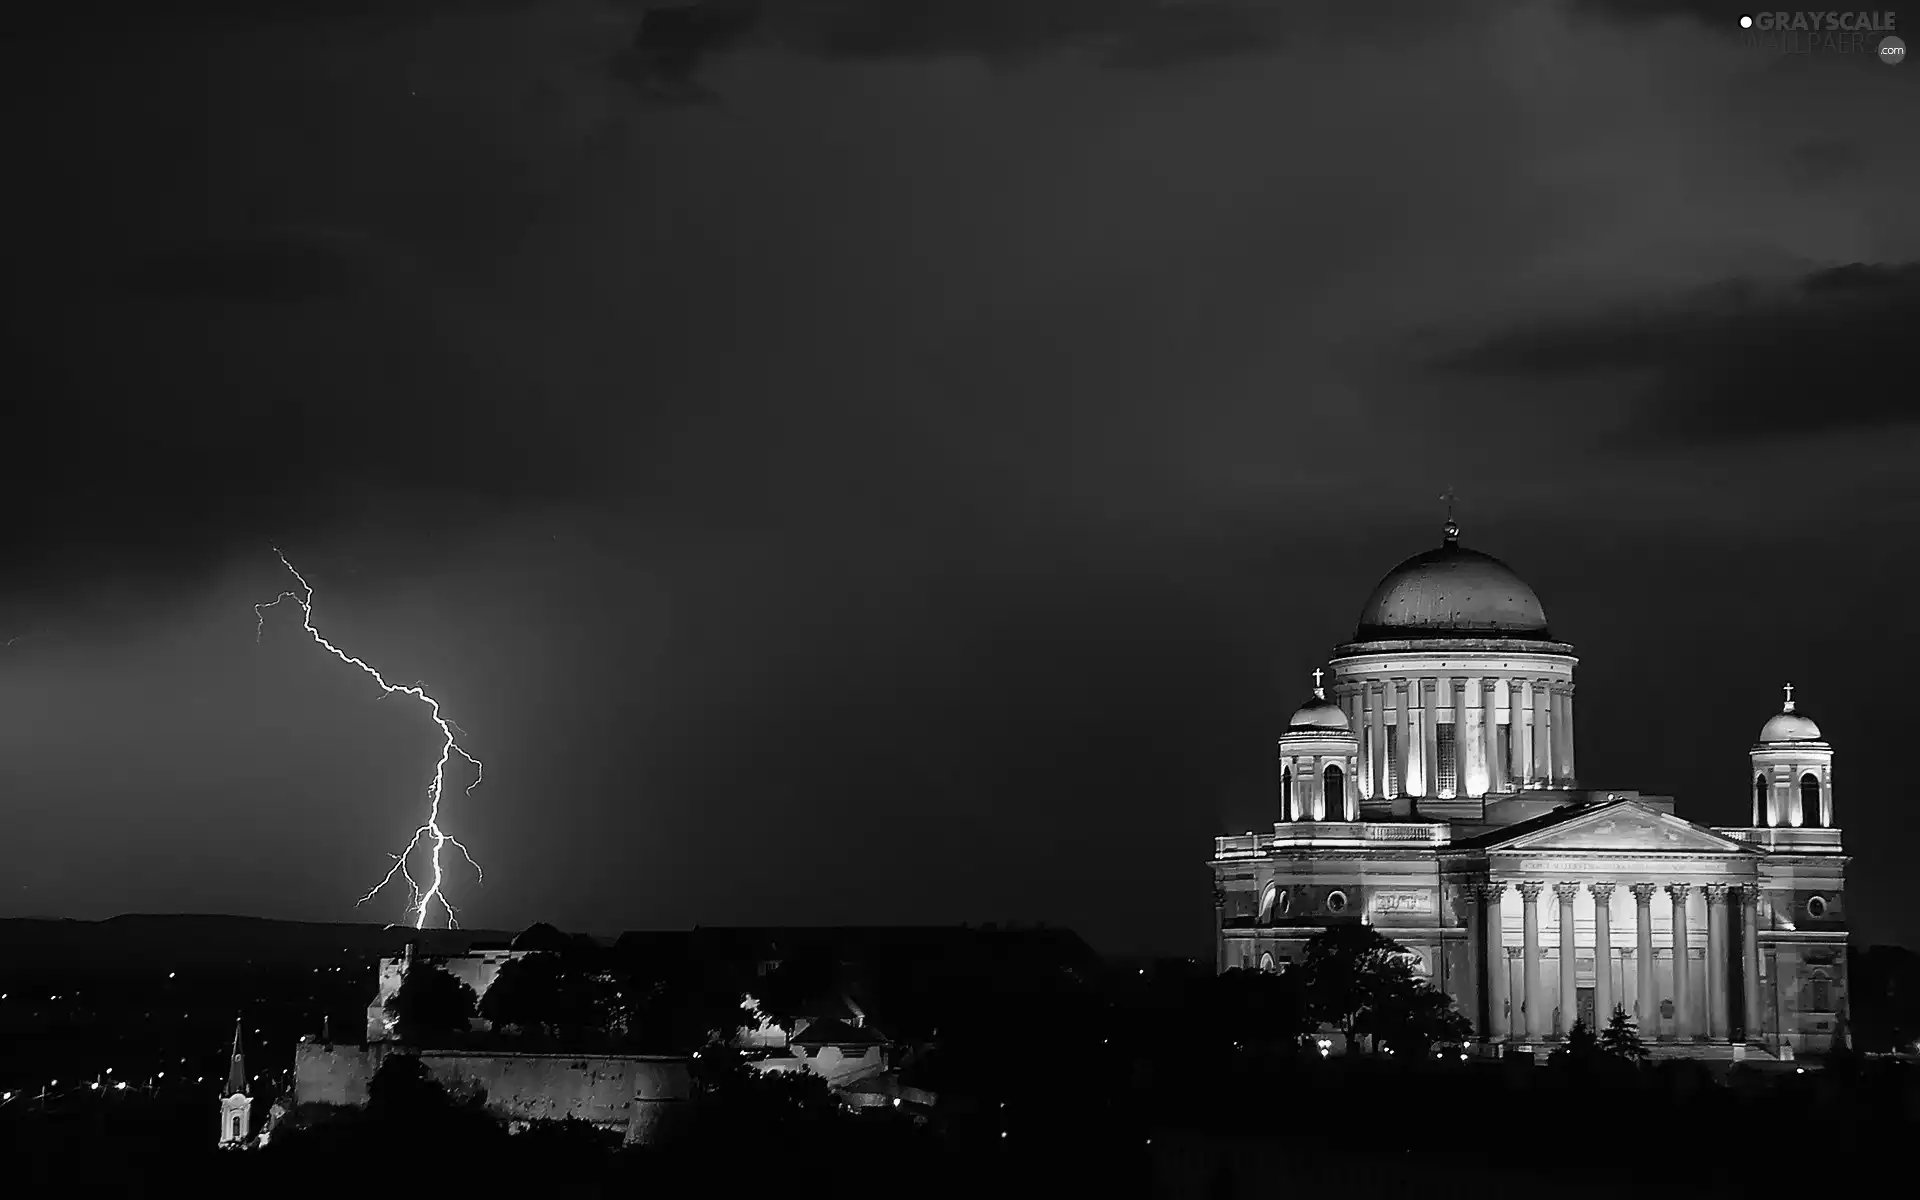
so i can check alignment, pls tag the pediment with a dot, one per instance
(1626, 826)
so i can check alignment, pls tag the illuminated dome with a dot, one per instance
(1318, 713)
(1789, 726)
(1452, 592)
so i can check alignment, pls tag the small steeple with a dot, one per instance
(237, 1065)
(1319, 692)
(1451, 531)
(1789, 705)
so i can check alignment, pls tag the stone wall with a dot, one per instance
(638, 1095)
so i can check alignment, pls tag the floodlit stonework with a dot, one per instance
(1429, 789)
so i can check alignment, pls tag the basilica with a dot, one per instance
(1429, 788)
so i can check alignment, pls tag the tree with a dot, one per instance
(789, 989)
(1362, 983)
(400, 1090)
(1412, 1018)
(430, 1002)
(548, 994)
(1580, 1052)
(731, 1094)
(677, 1005)
(1621, 1040)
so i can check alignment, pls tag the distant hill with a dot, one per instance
(172, 940)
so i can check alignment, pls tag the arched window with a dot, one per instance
(1267, 964)
(1286, 794)
(236, 1126)
(1810, 799)
(1759, 799)
(1266, 902)
(1336, 799)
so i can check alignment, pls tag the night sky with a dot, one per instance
(899, 460)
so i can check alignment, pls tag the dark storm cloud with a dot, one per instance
(674, 43)
(1713, 13)
(281, 266)
(1741, 362)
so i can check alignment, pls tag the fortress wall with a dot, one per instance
(637, 1095)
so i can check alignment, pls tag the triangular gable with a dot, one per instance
(1623, 825)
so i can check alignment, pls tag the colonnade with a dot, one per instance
(1535, 1014)
(1538, 754)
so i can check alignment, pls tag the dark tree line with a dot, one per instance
(1353, 979)
(578, 996)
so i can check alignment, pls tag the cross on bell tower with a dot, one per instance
(1317, 689)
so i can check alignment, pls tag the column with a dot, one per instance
(1603, 1000)
(1554, 732)
(1490, 731)
(1682, 1017)
(1750, 960)
(1496, 959)
(1516, 1020)
(1517, 774)
(1566, 738)
(1377, 768)
(1717, 961)
(1404, 740)
(1530, 958)
(1460, 746)
(1429, 738)
(1542, 736)
(1569, 958)
(1647, 1010)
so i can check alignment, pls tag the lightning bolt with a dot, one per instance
(420, 901)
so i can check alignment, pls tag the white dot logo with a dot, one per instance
(1893, 51)
(1746, 22)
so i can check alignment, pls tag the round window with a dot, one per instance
(1816, 906)
(1336, 901)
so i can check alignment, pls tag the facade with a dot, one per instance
(642, 1097)
(1430, 790)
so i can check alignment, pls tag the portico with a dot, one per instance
(1544, 899)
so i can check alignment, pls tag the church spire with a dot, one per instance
(237, 1065)
(1452, 527)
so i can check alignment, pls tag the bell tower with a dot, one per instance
(236, 1102)
(1792, 776)
(1319, 763)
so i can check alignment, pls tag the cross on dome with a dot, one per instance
(1789, 707)
(1452, 527)
(1317, 690)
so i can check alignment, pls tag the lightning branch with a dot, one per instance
(429, 840)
